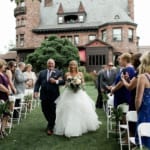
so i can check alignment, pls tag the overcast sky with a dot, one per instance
(7, 24)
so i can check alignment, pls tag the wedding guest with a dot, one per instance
(133, 82)
(131, 86)
(142, 99)
(20, 79)
(121, 94)
(11, 67)
(4, 93)
(108, 78)
(31, 75)
(99, 102)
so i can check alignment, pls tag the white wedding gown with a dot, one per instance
(75, 114)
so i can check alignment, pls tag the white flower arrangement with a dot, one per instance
(74, 83)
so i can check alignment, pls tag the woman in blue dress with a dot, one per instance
(121, 93)
(142, 100)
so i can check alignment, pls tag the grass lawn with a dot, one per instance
(30, 135)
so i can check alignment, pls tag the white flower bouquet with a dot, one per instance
(74, 83)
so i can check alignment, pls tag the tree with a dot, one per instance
(61, 50)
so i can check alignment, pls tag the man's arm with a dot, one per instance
(19, 77)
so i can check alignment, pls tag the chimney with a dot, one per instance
(131, 9)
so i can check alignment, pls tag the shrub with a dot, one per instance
(88, 77)
(82, 69)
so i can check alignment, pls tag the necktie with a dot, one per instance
(48, 74)
(108, 73)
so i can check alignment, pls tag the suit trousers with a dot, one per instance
(49, 111)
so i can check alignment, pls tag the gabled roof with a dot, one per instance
(98, 12)
(97, 43)
(81, 8)
(60, 9)
(9, 56)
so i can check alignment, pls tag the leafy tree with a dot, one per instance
(61, 50)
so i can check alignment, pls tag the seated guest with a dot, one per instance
(142, 99)
(31, 75)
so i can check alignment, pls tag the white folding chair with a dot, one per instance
(18, 108)
(143, 130)
(110, 120)
(125, 109)
(10, 121)
(131, 116)
(29, 105)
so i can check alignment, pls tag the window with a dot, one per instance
(117, 34)
(18, 22)
(76, 39)
(96, 60)
(130, 35)
(104, 35)
(22, 4)
(48, 3)
(22, 21)
(92, 37)
(46, 37)
(17, 40)
(62, 37)
(69, 38)
(21, 39)
(60, 19)
(81, 18)
(71, 19)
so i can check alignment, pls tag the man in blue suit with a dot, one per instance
(48, 83)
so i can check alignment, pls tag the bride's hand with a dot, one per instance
(52, 80)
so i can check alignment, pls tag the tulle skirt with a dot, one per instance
(75, 114)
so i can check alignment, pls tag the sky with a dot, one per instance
(7, 24)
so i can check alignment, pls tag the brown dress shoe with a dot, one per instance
(49, 132)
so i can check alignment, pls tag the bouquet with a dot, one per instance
(74, 83)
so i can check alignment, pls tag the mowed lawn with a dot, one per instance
(30, 134)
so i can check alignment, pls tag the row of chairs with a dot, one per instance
(21, 108)
(131, 116)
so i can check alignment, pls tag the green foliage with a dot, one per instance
(118, 113)
(82, 69)
(4, 107)
(61, 50)
(104, 97)
(28, 98)
(88, 77)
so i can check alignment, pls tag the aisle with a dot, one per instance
(30, 135)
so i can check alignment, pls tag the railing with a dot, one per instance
(19, 10)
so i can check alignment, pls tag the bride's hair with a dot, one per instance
(76, 63)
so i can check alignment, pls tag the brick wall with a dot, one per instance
(124, 45)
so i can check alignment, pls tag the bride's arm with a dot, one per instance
(82, 80)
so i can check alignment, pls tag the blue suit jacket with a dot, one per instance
(48, 91)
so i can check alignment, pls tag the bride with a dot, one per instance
(75, 110)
